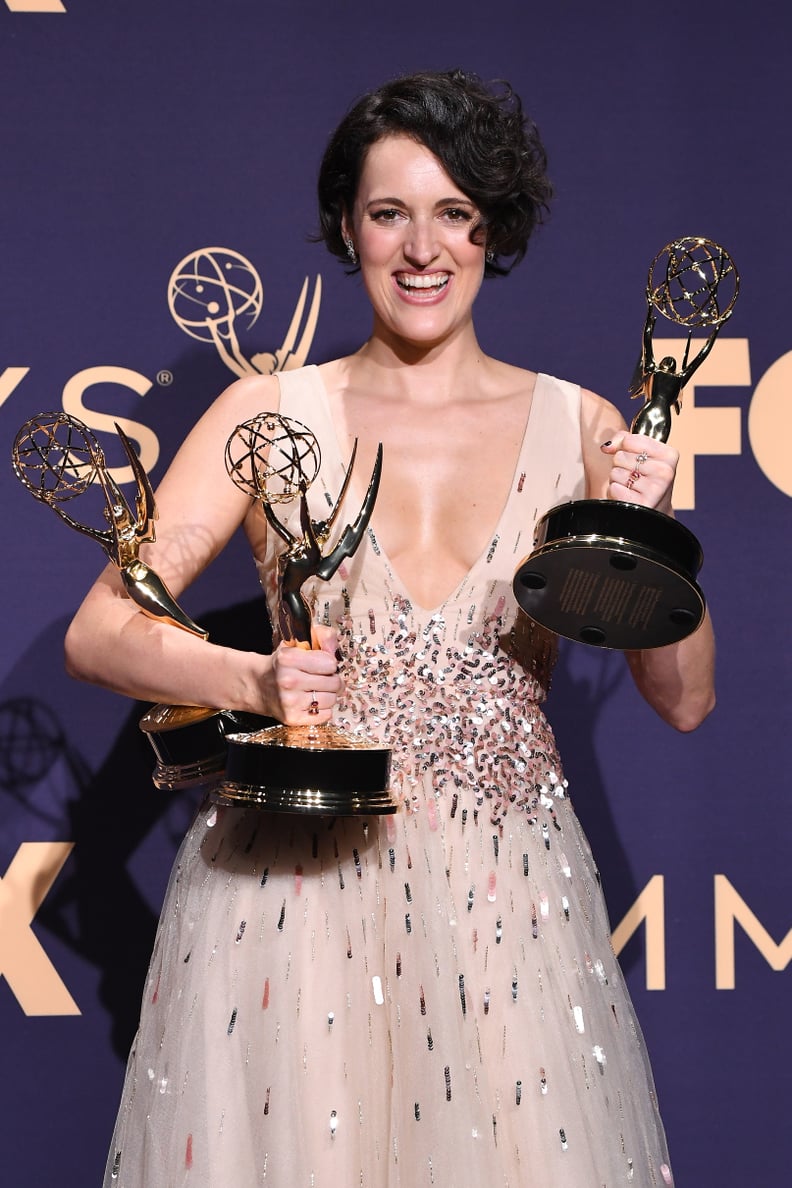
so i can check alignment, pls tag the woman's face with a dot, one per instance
(411, 229)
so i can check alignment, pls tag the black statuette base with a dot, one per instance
(318, 770)
(613, 575)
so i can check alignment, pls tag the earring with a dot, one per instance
(489, 256)
(350, 247)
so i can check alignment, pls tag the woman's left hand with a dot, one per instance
(642, 470)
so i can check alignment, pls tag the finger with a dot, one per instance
(634, 486)
(624, 461)
(627, 478)
(613, 444)
(319, 703)
(311, 708)
(325, 639)
(646, 464)
(628, 492)
(306, 660)
(648, 449)
(294, 686)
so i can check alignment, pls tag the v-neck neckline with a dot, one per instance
(382, 552)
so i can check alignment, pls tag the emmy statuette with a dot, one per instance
(301, 769)
(614, 574)
(57, 458)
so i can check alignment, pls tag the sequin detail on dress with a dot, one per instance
(464, 713)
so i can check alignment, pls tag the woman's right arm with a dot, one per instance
(110, 642)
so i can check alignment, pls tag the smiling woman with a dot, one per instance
(411, 229)
(488, 146)
(430, 998)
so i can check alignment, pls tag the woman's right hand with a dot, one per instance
(305, 684)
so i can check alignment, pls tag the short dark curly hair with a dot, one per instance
(486, 143)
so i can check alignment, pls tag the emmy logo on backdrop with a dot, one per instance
(57, 458)
(301, 769)
(212, 291)
(614, 574)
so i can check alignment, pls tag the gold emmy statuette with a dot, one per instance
(611, 573)
(57, 458)
(301, 769)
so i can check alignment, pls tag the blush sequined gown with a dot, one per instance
(424, 999)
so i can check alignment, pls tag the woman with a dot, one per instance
(429, 998)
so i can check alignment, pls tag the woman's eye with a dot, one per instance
(456, 215)
(387, 215)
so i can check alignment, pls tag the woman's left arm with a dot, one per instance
(677, 680)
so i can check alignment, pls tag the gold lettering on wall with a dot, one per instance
(770, 423)
(35, 5)
(35, 982)
(649, 907)
(731, 908)
(10, 379)
(703, 430)
(147, 441)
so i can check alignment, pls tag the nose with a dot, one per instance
(421, 246)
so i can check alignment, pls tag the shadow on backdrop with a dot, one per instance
(102, 906)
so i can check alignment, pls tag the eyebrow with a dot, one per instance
(455, 200)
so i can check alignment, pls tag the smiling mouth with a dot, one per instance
(430, 282)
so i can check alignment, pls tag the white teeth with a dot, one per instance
(432, 280)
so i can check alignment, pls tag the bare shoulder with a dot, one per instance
(596, 412)
(507, 378)
(239, 402)
(600, 419)
(247, 397)
(600, 422)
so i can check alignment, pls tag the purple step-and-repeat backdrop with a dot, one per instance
(144, 139)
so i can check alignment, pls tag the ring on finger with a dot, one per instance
(642, 457)
(313, 708)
